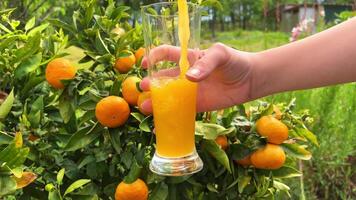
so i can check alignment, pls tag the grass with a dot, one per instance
(331, 172)
(249, 40)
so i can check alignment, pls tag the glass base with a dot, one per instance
(176, 166)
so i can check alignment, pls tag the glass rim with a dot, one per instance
(144, 8)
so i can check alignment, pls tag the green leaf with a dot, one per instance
(211, 131)
(34, 81)
(280, 186)
(138, 116)
(61, 24)
(144, 125)
(240, 151)
(30, 24)
(219, 154)
(134, 173)
(28, 65)
(19, 158)
(36, 112)
(211, 188)
(38, 29)
(6, 106)
(286, 172)
(54, 195)
(9, 40)
(89, 190)
(297, 151)
(17, 172)
(77, 184)
(2, 27)
(305, 133)
(151, 11)
(243, 181)
(60, 176)
(88, 159)
(89, 12)
(160, 192)
(267, 111)
(283, 172)
(83, 137)
(7, 185)
(115, 139)
(30, 48)
(5, 138)
(100, 45)
(65, 107)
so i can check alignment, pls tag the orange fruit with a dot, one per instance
(277, 112)
(137, 190)
(270, 156)
(59, 69)
(141, 98)
(244, 162)
(124, 64)
(139, 53)
(221, 140)
(130, 91)
(112, 111)
(274, 130)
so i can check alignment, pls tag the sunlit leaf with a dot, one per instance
(297, 151)
(77, 184)
(211, 188)
(38, 29)
(243, 181)
(138, 116)
(303, 132)
(60, 176)
(280, 186)
(6, 106)
(211, 131)
(144, 125)
(30, 23)
(17, 172)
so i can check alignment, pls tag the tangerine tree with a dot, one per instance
(71, 126)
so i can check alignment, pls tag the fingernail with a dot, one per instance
(194, 72)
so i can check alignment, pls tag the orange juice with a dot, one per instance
(184, 35)
(174, 110)
(174, 101)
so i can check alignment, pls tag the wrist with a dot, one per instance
(260, 85)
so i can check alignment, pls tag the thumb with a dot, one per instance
(212, 58)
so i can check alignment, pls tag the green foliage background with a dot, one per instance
(330, 175)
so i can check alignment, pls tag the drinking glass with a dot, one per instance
(173, 96)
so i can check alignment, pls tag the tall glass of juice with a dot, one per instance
(173, 96)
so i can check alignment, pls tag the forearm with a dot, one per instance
(326, 58)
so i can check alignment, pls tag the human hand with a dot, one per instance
(224, 75)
